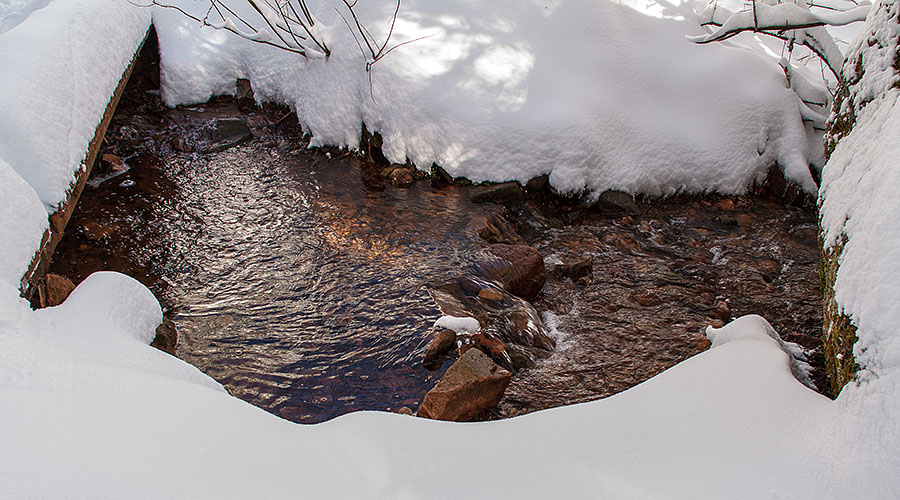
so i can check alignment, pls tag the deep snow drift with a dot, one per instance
(91, 411)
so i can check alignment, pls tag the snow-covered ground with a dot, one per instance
(599, 95)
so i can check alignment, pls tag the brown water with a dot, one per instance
(300, 280)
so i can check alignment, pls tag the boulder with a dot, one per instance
(444, 341)
(507, 193)
(470, 386)
(519, 268)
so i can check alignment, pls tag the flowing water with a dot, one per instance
(300, 280)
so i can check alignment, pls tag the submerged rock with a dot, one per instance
(224, 134)
(496, 229)
(519, 268)
(575, 269)
(402, 177)
(471, 385)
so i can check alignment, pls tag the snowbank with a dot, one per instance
(109, 417)
(859, 201)
(62, 60)
(596, 94)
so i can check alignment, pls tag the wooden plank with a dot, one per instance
(59, 219)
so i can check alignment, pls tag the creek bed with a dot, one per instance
(299, 278)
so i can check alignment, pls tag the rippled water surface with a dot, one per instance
(299, 279)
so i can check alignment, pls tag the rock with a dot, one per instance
(520, 269)
(519, 356)
(440, 177)
(724, 204)
(166, 339)
(489, 345)
(243, 90)
(490, 295)
(463, 348)
(721, 311)
(575, 269)
(55, 290)
(508, 193)
(768, 269)
(624, 243)
(224, 134)
(702, 343)
(496, 229)
(616, 201)
(444, 341)
(96, 231)
(470, 386)
(542, 214)
(401, 177)
(725, 220)
(404, 410)
(527, 323)
(538, 183)
(115, 162)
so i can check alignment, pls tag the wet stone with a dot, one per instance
(443, 342)
(507, 193)
(519, 268)
(401, 177)
(496, 229)
(538, 183)
(576, 268)
(616, 201)
(470, 386)
(225, 133)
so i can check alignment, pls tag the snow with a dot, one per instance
(510, 90)
(98, 427)
(22, 224)
(91, 411)
(859, 201)
(458, 325)
(77, 50)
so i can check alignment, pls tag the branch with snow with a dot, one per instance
(792, 22)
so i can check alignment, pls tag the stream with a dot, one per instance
(299, 278)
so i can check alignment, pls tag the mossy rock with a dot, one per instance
(839, 332)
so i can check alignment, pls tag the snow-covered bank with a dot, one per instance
(61, 65)
(90, 411)
(597, 94)
(859, 202)
(104, 416)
